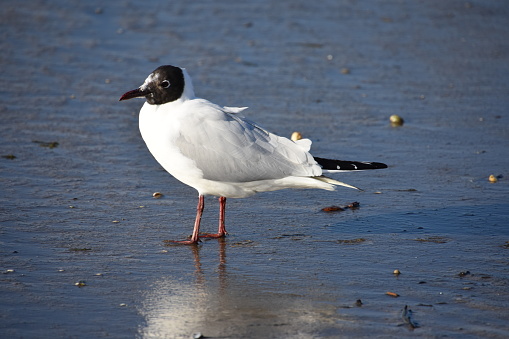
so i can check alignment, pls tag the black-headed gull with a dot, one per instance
(219, 152)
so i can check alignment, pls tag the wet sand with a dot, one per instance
(81, 237)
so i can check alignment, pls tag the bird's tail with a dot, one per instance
(335, 182)
(330, 165)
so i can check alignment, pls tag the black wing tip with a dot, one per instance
(345, 165)
(377, 165)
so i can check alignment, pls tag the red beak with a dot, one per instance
(135, 93)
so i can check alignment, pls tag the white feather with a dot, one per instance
(219, 152)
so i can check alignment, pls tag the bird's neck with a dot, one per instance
(188, 87)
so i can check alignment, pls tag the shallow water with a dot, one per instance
(84, 211)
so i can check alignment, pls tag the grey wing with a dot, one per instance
(229, 148)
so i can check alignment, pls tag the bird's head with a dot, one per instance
(163, 85)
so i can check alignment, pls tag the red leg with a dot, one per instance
(222, 210)
(195, 239)
(221, 231)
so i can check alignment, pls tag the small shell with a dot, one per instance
(296, 136)
(396, 120)
(345, 70)
(157, 195)
(396, 272)
(492, 178)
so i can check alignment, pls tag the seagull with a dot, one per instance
(219, 152)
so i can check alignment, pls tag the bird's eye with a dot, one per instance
(165, 84)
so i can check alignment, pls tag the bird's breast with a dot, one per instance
(160, 128)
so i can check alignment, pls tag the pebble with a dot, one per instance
(492, 178)
(296, 136)
(392, 294)
(333, 209)
(396, 272)
(396, 120)
(345, 70)
(157, 195)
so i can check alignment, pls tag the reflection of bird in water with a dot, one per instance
(219, 152)
(218, 304)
